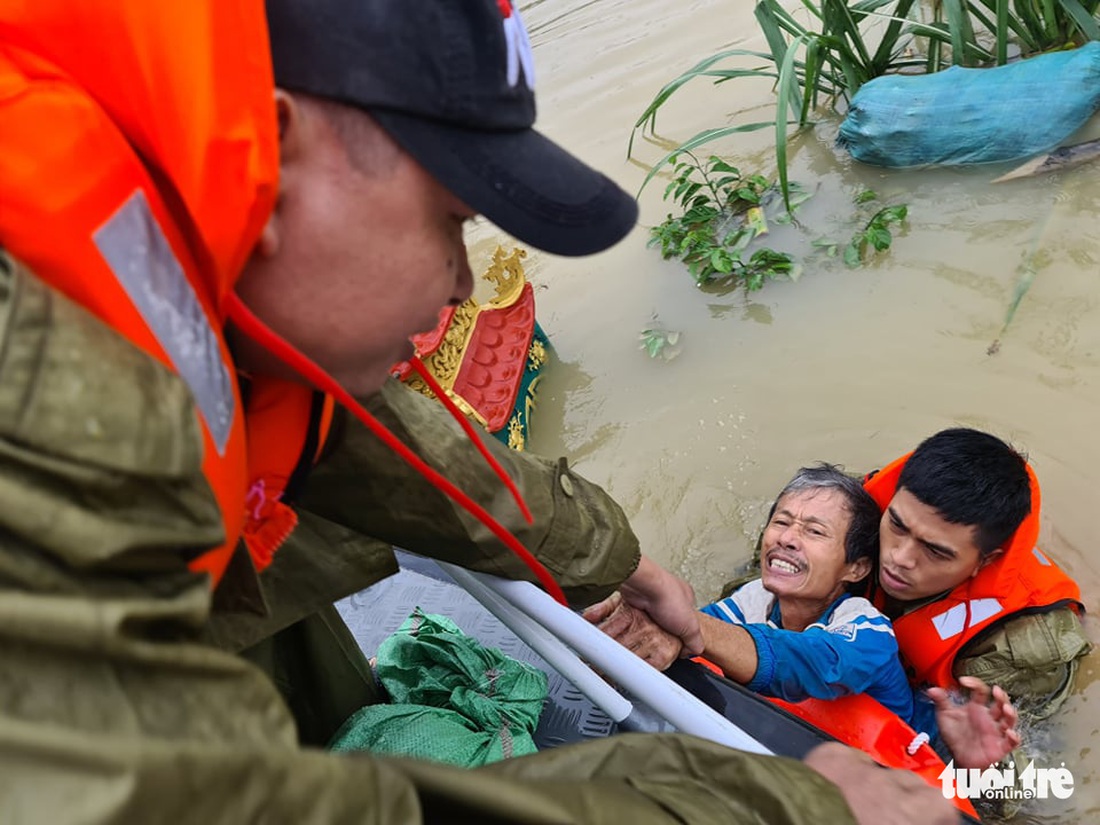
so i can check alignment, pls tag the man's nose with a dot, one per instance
(789, 536)
(904, 553)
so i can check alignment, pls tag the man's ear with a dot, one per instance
(986, 559)
(857, 570)
(289, 116)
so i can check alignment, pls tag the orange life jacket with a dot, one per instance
(287, 427)
(135, 178)
(1022, 579)
(865, 723)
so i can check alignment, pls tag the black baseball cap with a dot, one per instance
(452, 82)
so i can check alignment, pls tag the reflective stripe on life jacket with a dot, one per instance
(1021, 579)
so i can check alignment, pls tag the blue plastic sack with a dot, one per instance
(963, 116)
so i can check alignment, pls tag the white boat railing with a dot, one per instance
(566, 641)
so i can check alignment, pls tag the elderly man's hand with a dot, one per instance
(878, 795)
(668, 600)
(635, 630)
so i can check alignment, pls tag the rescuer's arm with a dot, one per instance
(111, 713)
(579, 532)
(729, 646)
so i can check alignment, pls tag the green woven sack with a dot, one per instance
(454, 700)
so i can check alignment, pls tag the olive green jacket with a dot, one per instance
(361, 499)
(1034, 657)
(116, 705)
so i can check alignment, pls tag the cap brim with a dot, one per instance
(522, 181)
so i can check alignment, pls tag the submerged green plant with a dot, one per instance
(658, 342)
(723, 212)
(875, 236)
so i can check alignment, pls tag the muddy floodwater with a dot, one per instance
(852, 366)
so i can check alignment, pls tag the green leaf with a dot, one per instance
(649, 115)
(865, 196)
(892, 41)
(878, 237)
(1001, 32)
(719, 165)
(1023, 284)
(853, 255)
(726, 182)
(787, 83)
(747, 194)
(1084, 21)
(892, 214)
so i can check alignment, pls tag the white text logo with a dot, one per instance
(1003, 783)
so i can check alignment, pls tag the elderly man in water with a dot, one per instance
(800, 632)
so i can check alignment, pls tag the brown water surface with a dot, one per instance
(853, 366)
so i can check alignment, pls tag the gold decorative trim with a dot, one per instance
(460, 402)
(506, 273)
(445, 361)
(536, 356)
(515, 433)
(529, 402)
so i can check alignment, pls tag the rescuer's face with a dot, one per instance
(363, 250)
(922, 554)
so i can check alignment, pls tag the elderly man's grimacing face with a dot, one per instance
(362, 251)
(803, 553)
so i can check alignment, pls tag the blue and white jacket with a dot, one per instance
(850, 649)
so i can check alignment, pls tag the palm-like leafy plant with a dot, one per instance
(843, 44)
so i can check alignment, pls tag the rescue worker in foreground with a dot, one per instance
(157, 190)
(969, 593)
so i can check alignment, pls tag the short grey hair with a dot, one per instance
(861, 540)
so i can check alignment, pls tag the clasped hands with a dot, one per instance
(635, 630)
(653, 615)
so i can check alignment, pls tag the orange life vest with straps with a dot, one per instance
(136, 178)
(287, 427)
(862, 722)
(138, 185)
(1022, 579)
